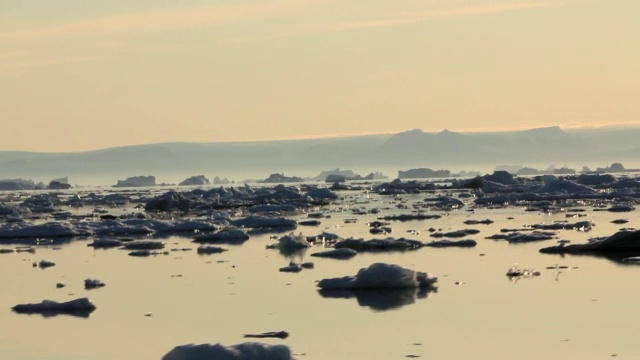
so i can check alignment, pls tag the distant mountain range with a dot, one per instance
(480, 151)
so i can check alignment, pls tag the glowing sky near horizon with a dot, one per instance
(86, 75)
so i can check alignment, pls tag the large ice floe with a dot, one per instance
(243, 351)
(264, 222)
(388, 244)
(51, 229)
(619, 246)
(229, 235)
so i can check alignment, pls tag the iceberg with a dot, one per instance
(380, 276)
(291, 241)
(380, 286)
(243, 351)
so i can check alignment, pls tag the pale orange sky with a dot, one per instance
(88, 75)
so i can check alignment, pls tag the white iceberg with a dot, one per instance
(291, 241)
(380, 276)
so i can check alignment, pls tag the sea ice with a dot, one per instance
(380, 276)
(243, 351)
(205, 250)
(342, 253)
(143, 245)
(291, 241)
(50, 229)
(79, 307)
(621, 242)
(231, 234)
(93, 284)
(265, 222)
(449, 243)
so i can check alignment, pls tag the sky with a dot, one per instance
(83, 75)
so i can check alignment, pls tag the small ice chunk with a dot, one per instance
(93, 284)
(144, 245)
(342, 253)
(204, 250)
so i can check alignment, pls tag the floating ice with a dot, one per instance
(518, 237)
(105, 243)
(342, 253)
(82, 307)
(227, 235)
(195, 180)
(144, 245)
(517, 272)
(205, 250)
(291, 241)
(309, 222)
(43, 264)
(380, 276)
(265, 222)
(271, 334)
(322, 194)
(379, 244)
(51, 229)
(93, 284)
(145, 253)
(292, 267)
(243, 351)
(456, 234)
(137, 181)
(449, 243)
(622, 242)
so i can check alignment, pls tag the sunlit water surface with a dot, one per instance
(150, 305)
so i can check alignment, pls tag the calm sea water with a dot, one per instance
(588, 311)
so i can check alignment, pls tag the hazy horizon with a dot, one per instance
(568, 128)
(81, 76)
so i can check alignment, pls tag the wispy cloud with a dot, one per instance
(10, 54)
(20, 65)
(600, 124)
(450, 9)
(154, 21)
(418, 17)
(102, 34)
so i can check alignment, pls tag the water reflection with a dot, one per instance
(44, 241)
(292, 253)
(380, 300)
(622, 258)
(271, 230)
(81, 313)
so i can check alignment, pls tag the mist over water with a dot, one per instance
(171, 163)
